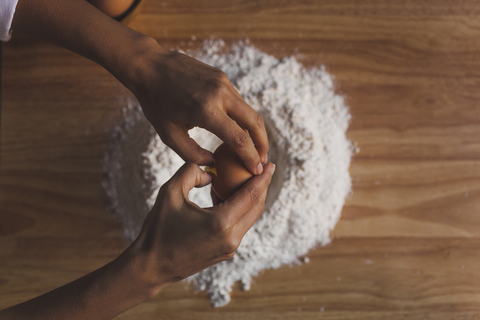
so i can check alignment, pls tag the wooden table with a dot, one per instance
(407, 246)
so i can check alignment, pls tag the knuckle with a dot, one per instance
(230, 246)
(261, 206)
(215, 226)
(210, 111)
(166, 138)
(229, 256)
(168, 194)
(191, 167)
(255, 195)
(169, 188)
(212, 100)
(217, 75)
(219, 83)
(222, 76)
(241, 139)
(200, 158)
(221, 89)
(259, 122)
(220, 227)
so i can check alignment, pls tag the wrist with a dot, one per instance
(144, 270)
(132, 65)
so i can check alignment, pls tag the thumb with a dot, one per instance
(189, 176)
(177, 138)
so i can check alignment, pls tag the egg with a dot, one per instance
(114, 8)
(229, 174)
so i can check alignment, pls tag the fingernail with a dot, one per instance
(274, 167)
(265, 159)
(259, 168)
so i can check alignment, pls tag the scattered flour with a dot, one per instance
(306, 123)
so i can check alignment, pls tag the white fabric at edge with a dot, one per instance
(7, 9)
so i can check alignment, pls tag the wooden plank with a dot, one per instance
(407, 245)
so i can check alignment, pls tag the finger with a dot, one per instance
(189, 176)
(215, 199)
(235, 92)
(259, 138)
(239, 140)
(250, 195)
(247, 118)
(259, 134)
(177, 138)
(249, 219)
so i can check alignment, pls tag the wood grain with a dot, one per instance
(407, 246)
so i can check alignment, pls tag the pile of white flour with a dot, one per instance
(306, 123)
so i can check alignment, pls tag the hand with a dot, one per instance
(179, 238)
(180, 92)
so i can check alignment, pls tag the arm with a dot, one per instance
(178, 239)
(102, 294)
(176, 92)
(80, 27)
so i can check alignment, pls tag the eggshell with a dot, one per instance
(114, 8)
(231, 174)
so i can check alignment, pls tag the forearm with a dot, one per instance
(102, 294)
(80, 27)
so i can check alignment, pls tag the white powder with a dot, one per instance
(306, 123)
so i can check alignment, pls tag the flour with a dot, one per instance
(306, 123)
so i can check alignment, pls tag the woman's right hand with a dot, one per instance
(179, 238)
